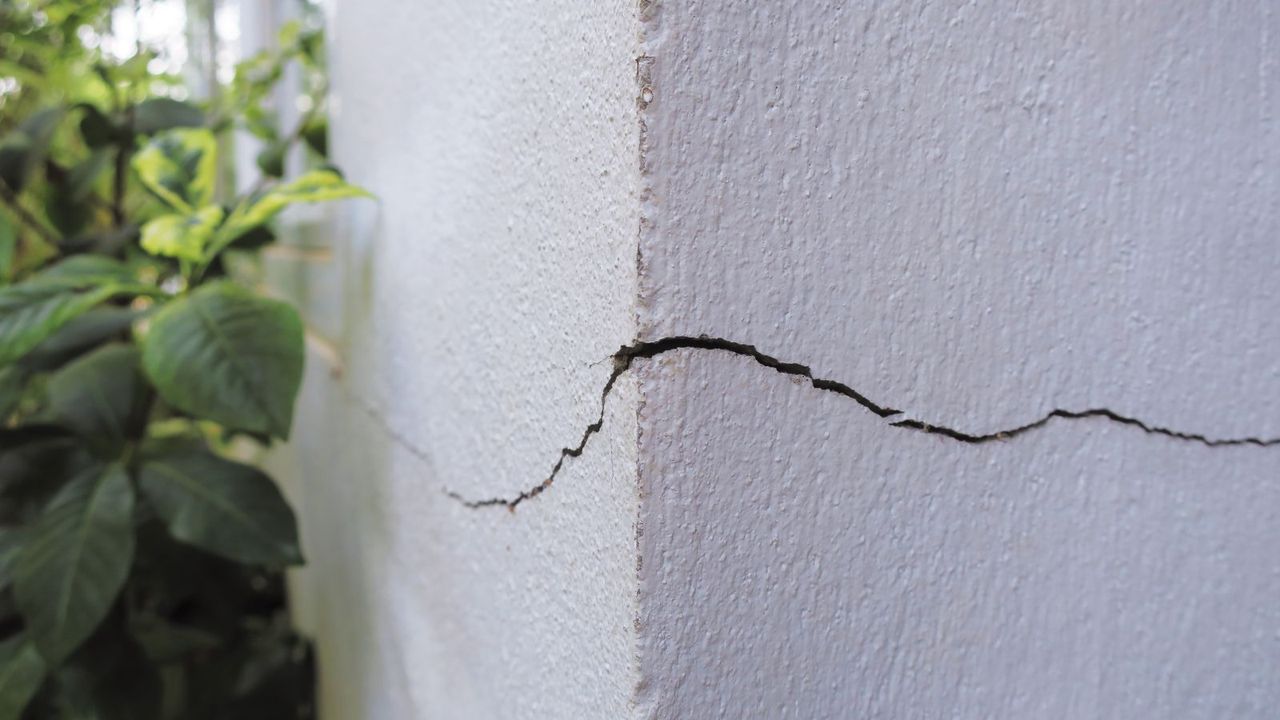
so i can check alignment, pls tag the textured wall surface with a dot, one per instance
(975, 213)
(981, 211)
(479, 295)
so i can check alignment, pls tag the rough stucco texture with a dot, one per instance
(479, 294)
(975, 213)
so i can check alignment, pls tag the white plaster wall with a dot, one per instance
(479, 295)
(975, 213)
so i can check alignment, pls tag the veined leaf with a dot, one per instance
(75, 560)
(180, 167)
(35, 309)
(11, 539)
(223, 507)
(225, 354)
(181, 236)
(21, 672)
(84, 333)
(85, 271)
(31, 312)
(314, 186)
(101, 397)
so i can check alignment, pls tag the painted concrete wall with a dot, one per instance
(973, 214)
(476, 301)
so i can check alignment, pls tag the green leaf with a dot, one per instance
(106, 241)
(161, 113)
(316, 135)
(85, 271)
(271, 159)
(15, 167)
(84, 333)
(96, 128)
(11, 541)
(23, 150)
(224, 354)
(181, 236)
(226, 508)
(67, 193)
(13, 380)
(102, 397)
(314, 186)
(66, 215)
(288, 33)
(109, 678)
(35, 460)
(33, 311)
(280, 680)
(22, 670)
(75, 561)
(253, 239)
(166, 641)
(8, 248)
(82, 177)
(213, 592)
(180, 167)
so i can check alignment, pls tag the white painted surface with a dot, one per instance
(479, 294)
(975, 213)
(804, 560)
(981, 210)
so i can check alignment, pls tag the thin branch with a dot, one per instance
(121, 180)
(296, 134)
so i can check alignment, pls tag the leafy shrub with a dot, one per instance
(140, 562)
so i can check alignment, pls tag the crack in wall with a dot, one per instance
(628, 354)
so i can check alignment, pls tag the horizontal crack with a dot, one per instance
(628, 354)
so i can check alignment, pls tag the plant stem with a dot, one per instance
(295, 134)
(197, 273)
(11, 199)
(122, 174)
(117, 192)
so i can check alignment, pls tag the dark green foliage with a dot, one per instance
(140, 562)
(271, 160)
(21, 672)
(227, 508)
(32, 312)
(228, 355)
(74, 560)
(23, 150)
(102, 397)
(156, 114)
